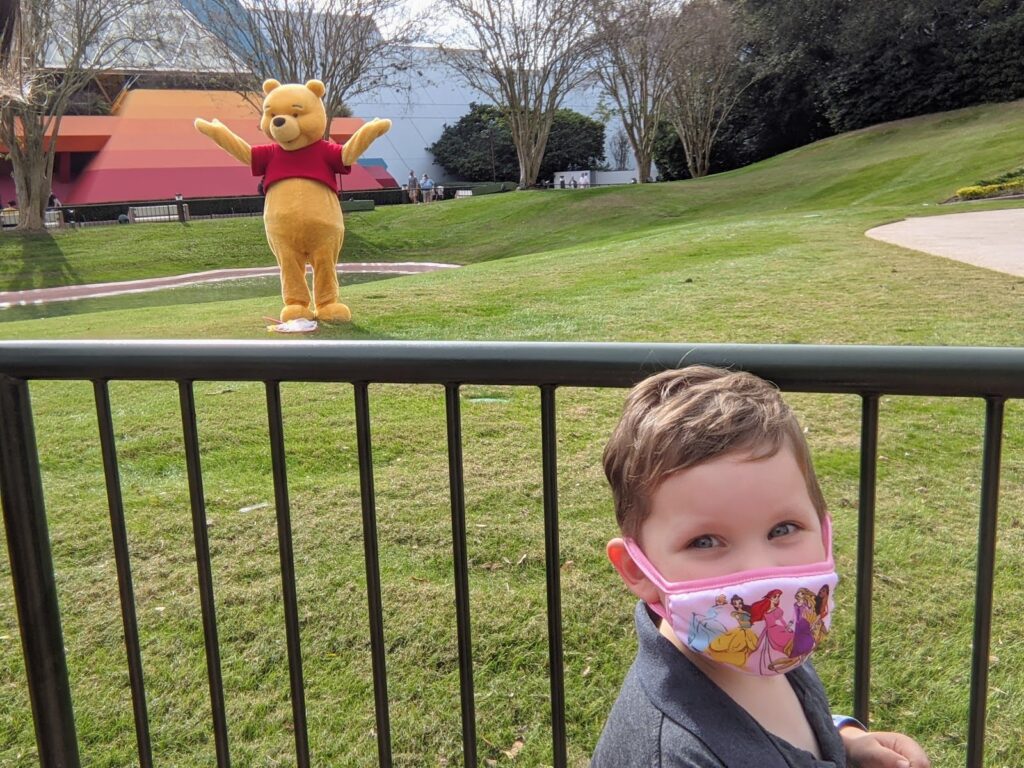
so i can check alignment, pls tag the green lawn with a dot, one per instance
(770, 253)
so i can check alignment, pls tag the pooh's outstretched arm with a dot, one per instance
(363, 138)
(231, 143)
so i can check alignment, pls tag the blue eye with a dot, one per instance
(702, 542)
(782, 529)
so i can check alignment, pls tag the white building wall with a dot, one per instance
(432, 96)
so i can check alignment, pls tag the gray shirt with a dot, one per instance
(670, 715)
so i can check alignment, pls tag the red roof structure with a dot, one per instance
(149, 150)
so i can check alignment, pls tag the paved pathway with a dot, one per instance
(96, 290)
(990, 239)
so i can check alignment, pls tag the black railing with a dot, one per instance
(994, 375)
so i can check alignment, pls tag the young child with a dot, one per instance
(727, 542)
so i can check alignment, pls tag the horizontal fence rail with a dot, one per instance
(992, 374)
(940, 371)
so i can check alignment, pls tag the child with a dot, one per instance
(719, 506)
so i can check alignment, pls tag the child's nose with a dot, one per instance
(762, 556)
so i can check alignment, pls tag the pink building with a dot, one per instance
(149, 150)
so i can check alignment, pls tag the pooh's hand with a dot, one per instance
(363, 138)
(208, 129)
(378, 127)
(234, 145)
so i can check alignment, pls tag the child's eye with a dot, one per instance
(783, 529)
(707, 541)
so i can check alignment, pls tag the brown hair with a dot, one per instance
(680, 418)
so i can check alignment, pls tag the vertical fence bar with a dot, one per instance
(380, 679)
(35, 588)
(287, 555)
(552, 567)
(984, 579)
(457, 487)
(122, 560)
(865, 556)
(202, 542)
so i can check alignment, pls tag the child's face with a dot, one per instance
(732, 514)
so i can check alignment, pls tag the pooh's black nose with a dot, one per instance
(278, 122)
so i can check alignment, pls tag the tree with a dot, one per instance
(708, 80)
(669, 154)
(901, 58)
(525, 56)
(479, 146)
(576, 143)
(636, 52)
(619, 146)
(52, 49)
(336, 41)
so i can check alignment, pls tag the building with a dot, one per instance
(148, 149)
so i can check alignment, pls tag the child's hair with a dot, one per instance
(680, 418)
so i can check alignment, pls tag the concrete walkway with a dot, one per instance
(97, 290)
(989, 239)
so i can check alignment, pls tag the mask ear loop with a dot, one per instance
(648, 570)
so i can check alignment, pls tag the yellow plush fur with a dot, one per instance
(302, 217)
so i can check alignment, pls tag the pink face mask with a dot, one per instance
(766, 621)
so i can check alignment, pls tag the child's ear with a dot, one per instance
(630, 572)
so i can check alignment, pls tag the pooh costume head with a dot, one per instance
(302, 214)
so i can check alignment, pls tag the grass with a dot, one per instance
(770, 253)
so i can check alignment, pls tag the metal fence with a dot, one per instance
(992, 374)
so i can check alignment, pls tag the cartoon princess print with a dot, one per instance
(705, 627)
(805, 615)
(819, 629)
(736, 645)
(778, 632)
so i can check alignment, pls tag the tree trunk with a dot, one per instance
(530, 136)
(33, 186)
(643, 165)
(529, 165)
(32, 161)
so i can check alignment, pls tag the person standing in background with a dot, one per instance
(427, 186)
(413, 187)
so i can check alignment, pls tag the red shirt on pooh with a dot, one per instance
(320, 161)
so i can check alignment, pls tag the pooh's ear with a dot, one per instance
(317, 87)
(269, 85)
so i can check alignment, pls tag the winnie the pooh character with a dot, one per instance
(302, 215)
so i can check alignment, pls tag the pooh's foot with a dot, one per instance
(295, 311)
(334, 313)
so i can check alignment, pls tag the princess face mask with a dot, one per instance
(766, 621)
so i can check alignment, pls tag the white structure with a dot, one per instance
(587, 179)
(433, 96)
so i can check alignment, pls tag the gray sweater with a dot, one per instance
(670, 715)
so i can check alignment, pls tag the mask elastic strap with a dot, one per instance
(640, 559)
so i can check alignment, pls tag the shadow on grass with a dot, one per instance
(203, 293)
(41, 264)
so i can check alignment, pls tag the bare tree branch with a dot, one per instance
(620, 147)
(525, 56)
(637, 49)
(708, 80)
(336, 41)
(57, 47)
